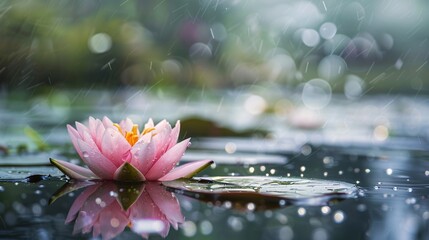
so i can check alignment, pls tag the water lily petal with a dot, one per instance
(128, 173)
(96, 161)
(74, 135)
(167, 161)
(107, 122)
(149, 124)
(161, 139)
(81, 129)
(143, 155)
(92, 125)
(126, 124)
(72, 170)
(80, 201)
(167, 203)
(106, 228)
(114, 146)
(187, 170)
(174, 135)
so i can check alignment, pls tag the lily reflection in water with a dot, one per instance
(107, 208)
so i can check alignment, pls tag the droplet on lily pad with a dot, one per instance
(264, 192)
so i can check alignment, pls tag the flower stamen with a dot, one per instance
(148, 130)
(132, 137)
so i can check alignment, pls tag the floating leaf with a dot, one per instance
(264, 192)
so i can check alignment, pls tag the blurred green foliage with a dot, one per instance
(210, 44)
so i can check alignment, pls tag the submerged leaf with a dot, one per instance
(264, 192)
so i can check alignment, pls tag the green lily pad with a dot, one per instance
(264, 192)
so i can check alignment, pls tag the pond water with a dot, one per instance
(375, 149)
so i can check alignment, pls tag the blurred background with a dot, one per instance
(324, 89)
(353, 48)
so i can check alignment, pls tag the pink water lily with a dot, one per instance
(119, 151)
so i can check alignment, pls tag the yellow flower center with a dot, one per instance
(133, 136)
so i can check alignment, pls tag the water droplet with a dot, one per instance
(354, 86)
(206, 227)
(328, 30)
(325, 210)
(410, 190)
(410, 201)
(395, 188)
(310, 37)
(328, 160)
(250, 206)
(100, 43)
(389, 171)
(235, 223)
(114, 222)
(361, 207)
(262, 168)
(367, 170)
(36, 209)
(255, 104)
(306, 150)
(302, 168)
(331, 67)
(85, 155)
(285, 233)
(320, 234)
(230, 147)
(339, 216)
(316, 94)
(427, 172)
(1, 189)
(302, 211)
